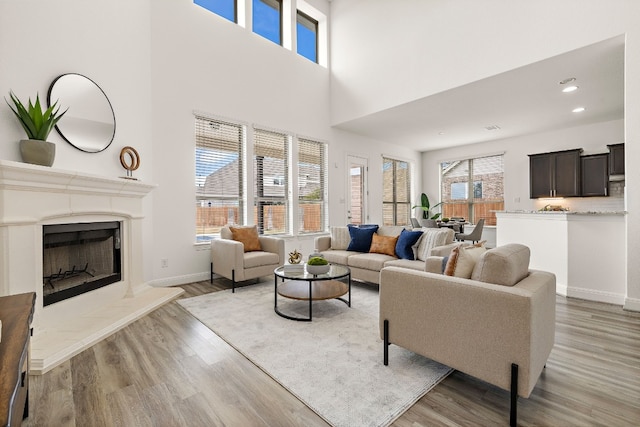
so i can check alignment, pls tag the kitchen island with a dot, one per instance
(585, 250)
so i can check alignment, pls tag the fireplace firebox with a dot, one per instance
(79, 258)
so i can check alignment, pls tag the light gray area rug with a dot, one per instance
(333, 364)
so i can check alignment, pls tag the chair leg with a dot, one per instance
(386, 342)
(513, 416)
(233, 281)
(211, 278)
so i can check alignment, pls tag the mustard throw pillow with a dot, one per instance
(383, 245)
(248, 236)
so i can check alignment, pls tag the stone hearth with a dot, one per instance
(33, 196)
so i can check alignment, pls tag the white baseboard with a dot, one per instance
(181, 280)
(561, 289)
(632, 304)
(598, 296)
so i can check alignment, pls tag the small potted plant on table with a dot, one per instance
(317, 265)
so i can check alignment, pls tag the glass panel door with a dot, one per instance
(357, 179)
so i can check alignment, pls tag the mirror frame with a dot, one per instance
(57, 126)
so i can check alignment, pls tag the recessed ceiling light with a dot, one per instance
(578, 110)
(571, 88)
(440, 133)
(492, 127)
(569, 80)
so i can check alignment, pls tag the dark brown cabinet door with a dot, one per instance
(595, 175)
(566, 170)
(616, 159)
(540, 182)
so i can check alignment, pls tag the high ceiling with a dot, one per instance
(521, 101)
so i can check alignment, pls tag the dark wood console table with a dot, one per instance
(16, 313)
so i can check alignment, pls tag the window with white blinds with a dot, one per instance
(396, 192)
(271, 171)
(218, 179)
(312, 168)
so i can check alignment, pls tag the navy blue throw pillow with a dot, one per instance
(361, 238)
(405, 242)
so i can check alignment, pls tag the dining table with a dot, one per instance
(456, 226)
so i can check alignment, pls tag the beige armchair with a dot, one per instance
(229, 259)
(498, 326)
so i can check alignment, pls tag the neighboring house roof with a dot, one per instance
(224, 182)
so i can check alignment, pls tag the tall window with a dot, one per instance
(225, 8)
(218, 175)
(267, 19)
(271, 171)
(396, 192)
(307, 36)
(473, 188)
(312, 167)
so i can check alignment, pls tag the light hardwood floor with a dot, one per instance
(167, 369)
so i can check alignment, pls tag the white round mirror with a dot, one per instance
(89, 124)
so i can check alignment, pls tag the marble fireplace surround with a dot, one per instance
(32, 196)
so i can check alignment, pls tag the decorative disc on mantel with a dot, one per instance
(130, 160)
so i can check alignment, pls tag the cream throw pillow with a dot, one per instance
(340, 238)
(463, 259)
(431, 238)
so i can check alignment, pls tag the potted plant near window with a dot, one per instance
(428, 219)
(37, 124)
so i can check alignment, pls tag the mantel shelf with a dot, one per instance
(27, 177)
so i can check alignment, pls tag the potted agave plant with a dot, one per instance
(37, 124)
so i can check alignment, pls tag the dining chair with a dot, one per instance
(475, 235)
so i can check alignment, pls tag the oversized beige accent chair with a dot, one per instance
(238, 261)
(498, 325)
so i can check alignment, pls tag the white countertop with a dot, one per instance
(595, 213)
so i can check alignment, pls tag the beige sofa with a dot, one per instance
(498, 326)
(366, 266)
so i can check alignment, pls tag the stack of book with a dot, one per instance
(292, 268)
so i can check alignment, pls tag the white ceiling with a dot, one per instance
(521, 101)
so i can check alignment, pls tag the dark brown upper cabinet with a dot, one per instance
(595, 175)
(555, 174)
(616, 159)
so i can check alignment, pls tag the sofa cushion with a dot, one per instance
(260, 258)
(248, 236)
(432, 237)
(406, 241)
(383, 244)
(373, 262)
(505, 265)
(405, 263)
(390, 230)
(340, 238)
(463, 259)
(338, 256)
(361, 238)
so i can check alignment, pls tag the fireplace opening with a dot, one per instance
(79, 258)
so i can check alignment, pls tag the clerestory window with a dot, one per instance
(226, 8)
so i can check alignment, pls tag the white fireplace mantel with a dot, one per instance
(32, 196)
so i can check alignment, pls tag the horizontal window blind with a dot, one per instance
(218, 178)
(312, 168)
(271, 171)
